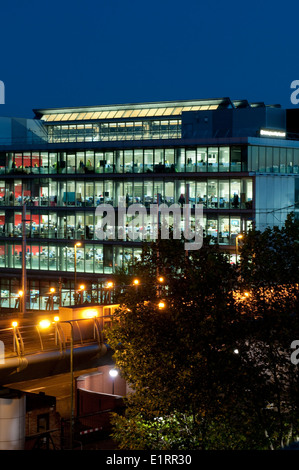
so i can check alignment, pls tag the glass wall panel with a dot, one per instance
(71, 163)
(235, 229)
(224, 159)
(98, 259)
(53, 257)
(35, 162)
(53, 191)
(262, 159)
(89, 226)
(224, 230)
(108, 192)
(224, 194)
(180, 165)
(148, 193)
(283, 160)
(201, 187)
(296, 161)
(276, 160)
(169, 160)
(138, 161)
(89, 258)
(212, 159)
(212, 229)
(290, 160)
(236, 159)
(148, 161)
(235, 193)
(53, 163)
(191, 160)
(99, 192)
(99, 162)
(128, 161)
(81, 165)
(109, 163)
(269, 159)
(169, 192)
(138, 192)
(89, 194)
(212, 194)
(159, 161)
(76, 197)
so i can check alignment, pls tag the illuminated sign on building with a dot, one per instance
(272, 133)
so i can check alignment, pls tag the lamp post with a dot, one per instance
(113, 374)
(82, 288)
(75, 267)
(237, 245)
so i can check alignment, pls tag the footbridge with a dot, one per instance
(51, 346)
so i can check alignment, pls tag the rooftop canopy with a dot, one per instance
(138, 110)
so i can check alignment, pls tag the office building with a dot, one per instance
(239, 159)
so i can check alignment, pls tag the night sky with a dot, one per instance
(78, 53)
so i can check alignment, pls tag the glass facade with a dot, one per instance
(111, 131)
(273, 159)
(145, 160)
(131, 152)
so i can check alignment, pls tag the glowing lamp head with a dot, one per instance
(52, 290)
(113, 373)
(44, 324)
(136, 282)
(14, 324)
(161, 279)
(82, 287)
(110, 284)
(161, 304)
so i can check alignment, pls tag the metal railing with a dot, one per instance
(30, 339)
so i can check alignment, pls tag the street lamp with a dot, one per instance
(82, 288)
(113, 374)
(136, 282)
(237, 245)
(161, 304)
(51, 299)
(75, 264)
(20, 295)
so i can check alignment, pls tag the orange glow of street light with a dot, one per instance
(82, 287)
(136, 282)
(52, 290)
(161, 304)
(14, 324)
(110, 284)
(20, 293)
(161, 279)
(44, 323)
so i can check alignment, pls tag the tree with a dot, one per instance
(271, 257)
(211, 369)
(178, 359)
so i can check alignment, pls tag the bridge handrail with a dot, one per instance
(19, 348)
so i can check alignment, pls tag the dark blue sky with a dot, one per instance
(75, 53)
